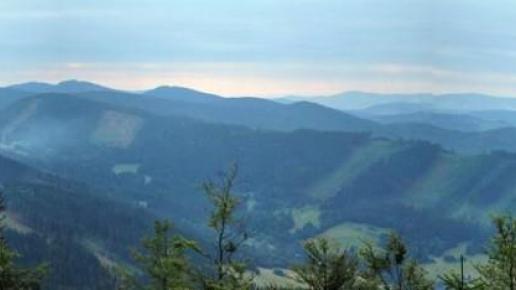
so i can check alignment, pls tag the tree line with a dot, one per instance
(170, 261)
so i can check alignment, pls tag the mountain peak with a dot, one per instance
(77, 86)
(67, 86)
(177, 93)
(73, 82)
(32, 87)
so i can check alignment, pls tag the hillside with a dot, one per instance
(251, 112)
(10, 96)
(302, 182)
(455, 122)
(464, 133)
(488, 135)
(49, 219)
(297, 181)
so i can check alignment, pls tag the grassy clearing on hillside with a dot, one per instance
(122, 168)
(449, 261)
(19, 120)
(101, 254)
(11, 143)
(12, 223)
(147, 179)
(305, 216)
(438, 183)
(117, 129)
(359, 161)
(444, 185)
(276, 277)
(354, 234)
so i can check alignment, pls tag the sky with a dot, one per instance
(264, 47)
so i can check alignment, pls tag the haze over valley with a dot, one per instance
(257, 145)
(305, 169)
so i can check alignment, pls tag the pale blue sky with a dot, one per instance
(264, 47)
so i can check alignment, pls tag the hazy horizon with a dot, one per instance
(264, 48)
(155, 86)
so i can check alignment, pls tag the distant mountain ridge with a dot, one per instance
(336, 176)
(251, 112)
(454, 131)
(306, 169)
(69, 86)
(182, 94)
(347, 101)
(458, 122)
(455, 102)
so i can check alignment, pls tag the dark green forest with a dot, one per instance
(168, 260)
(257, 145)
(87, 173)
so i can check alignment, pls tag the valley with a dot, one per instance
(305, 171)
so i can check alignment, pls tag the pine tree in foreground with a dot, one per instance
(326, 267)
(164, 259)
(230, 273)
(393, 268)
(499, 273)
(454, 281)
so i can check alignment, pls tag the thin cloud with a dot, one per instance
(297, 46)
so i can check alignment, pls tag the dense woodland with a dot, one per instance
(272, 169)
(167, 260)
(88, 170)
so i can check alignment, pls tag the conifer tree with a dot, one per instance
(164, 259)
(500, 271)
(393, 268)
(230, 273)
(327, 267)
(454, 281)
